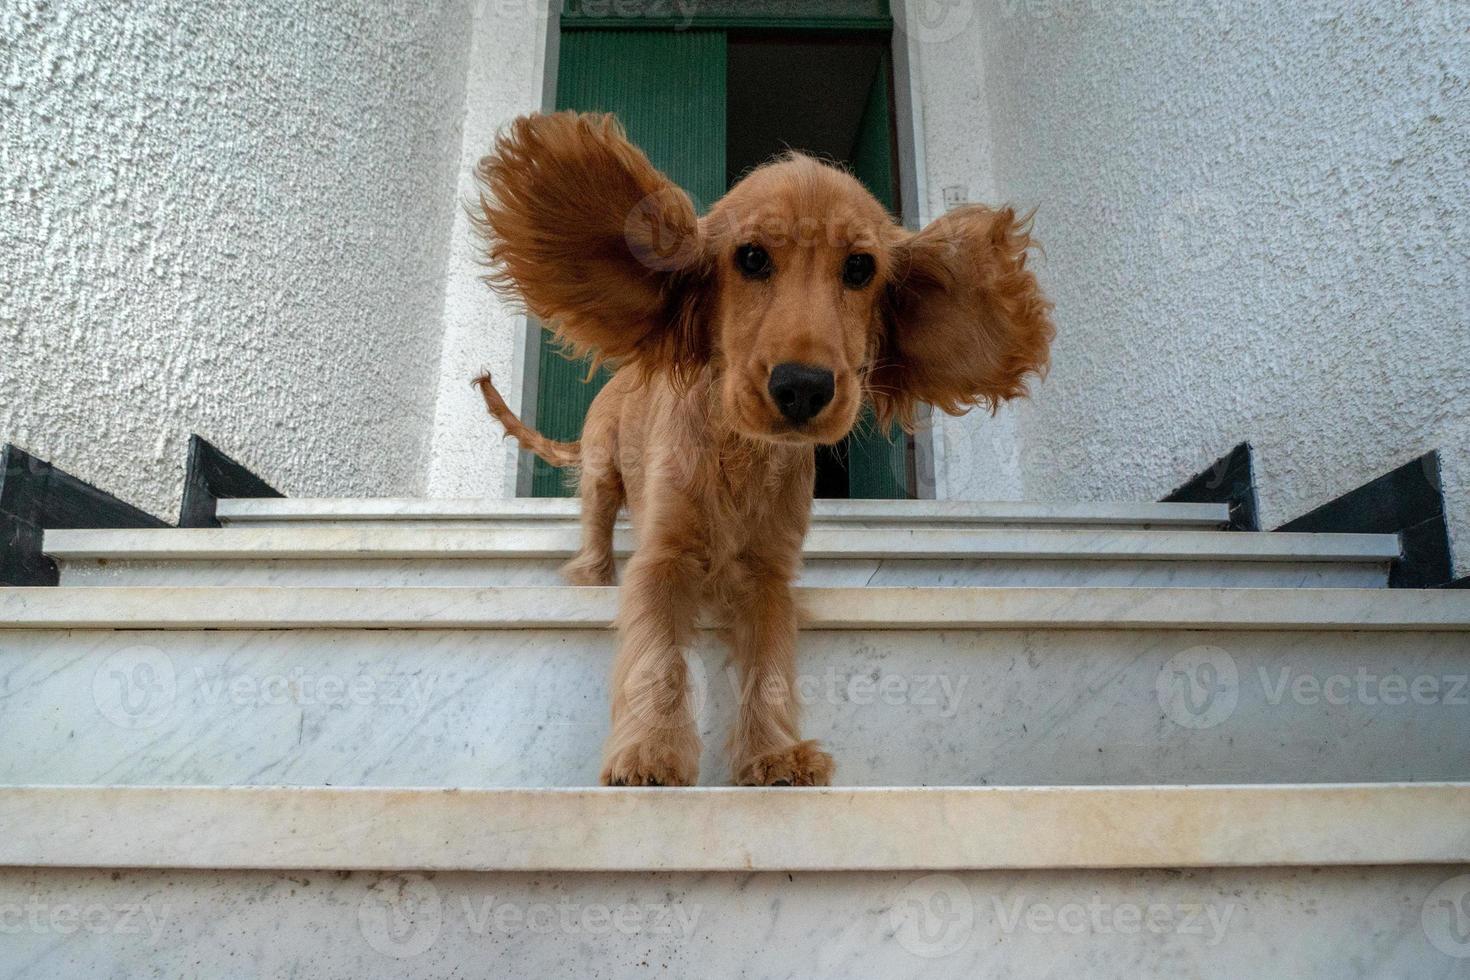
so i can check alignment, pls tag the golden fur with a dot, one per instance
(599, 245)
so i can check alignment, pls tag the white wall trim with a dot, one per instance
(908, 110)
(504, 79)
(526, 358)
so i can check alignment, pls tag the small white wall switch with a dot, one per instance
(955, 195)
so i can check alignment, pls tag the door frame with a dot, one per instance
(913, 213)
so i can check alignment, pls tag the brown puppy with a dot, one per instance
(742, 340)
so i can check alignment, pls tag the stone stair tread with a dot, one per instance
(946, 608)
(735, 829)
(320, 543)
(243, 512)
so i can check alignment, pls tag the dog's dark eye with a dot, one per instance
(857, 271)
(753, 261)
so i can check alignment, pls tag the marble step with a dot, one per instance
(892, 556)
(539, 512)
(951, 686)
(1291, 923)
(734, 829)
(1211, 882)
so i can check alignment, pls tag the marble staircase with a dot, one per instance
(357, 738)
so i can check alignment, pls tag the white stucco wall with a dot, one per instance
(1257, 225)
(229, 219)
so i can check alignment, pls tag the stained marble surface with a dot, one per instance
(528, 707)
(474, 573)
(1305, 924)
(730, 829)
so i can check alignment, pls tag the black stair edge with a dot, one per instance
(35, 496)
(1407, 501)
(1460, 583)
(35, 491)
(1229, 480)
(210, 476)
(21, 560)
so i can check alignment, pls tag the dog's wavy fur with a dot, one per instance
(580, 228)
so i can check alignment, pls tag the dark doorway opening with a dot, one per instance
(799, 92)
(827, 95)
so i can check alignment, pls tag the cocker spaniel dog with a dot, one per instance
(741, 341)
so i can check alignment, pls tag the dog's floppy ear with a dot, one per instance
(966, 321)
(595, 241)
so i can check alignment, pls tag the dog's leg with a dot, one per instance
(654, 740)
(766, 748)
(602, 495)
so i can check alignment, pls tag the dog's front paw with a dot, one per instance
(802, 764)
(653, 762)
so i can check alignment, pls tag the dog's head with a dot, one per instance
(797, 289)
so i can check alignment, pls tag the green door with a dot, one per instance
(668, 89)
(668, 86)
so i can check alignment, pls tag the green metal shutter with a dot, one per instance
(668, 88)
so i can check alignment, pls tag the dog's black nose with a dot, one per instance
(800, 390)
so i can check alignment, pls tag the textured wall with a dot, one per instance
(230, 219)
(1257, 225)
